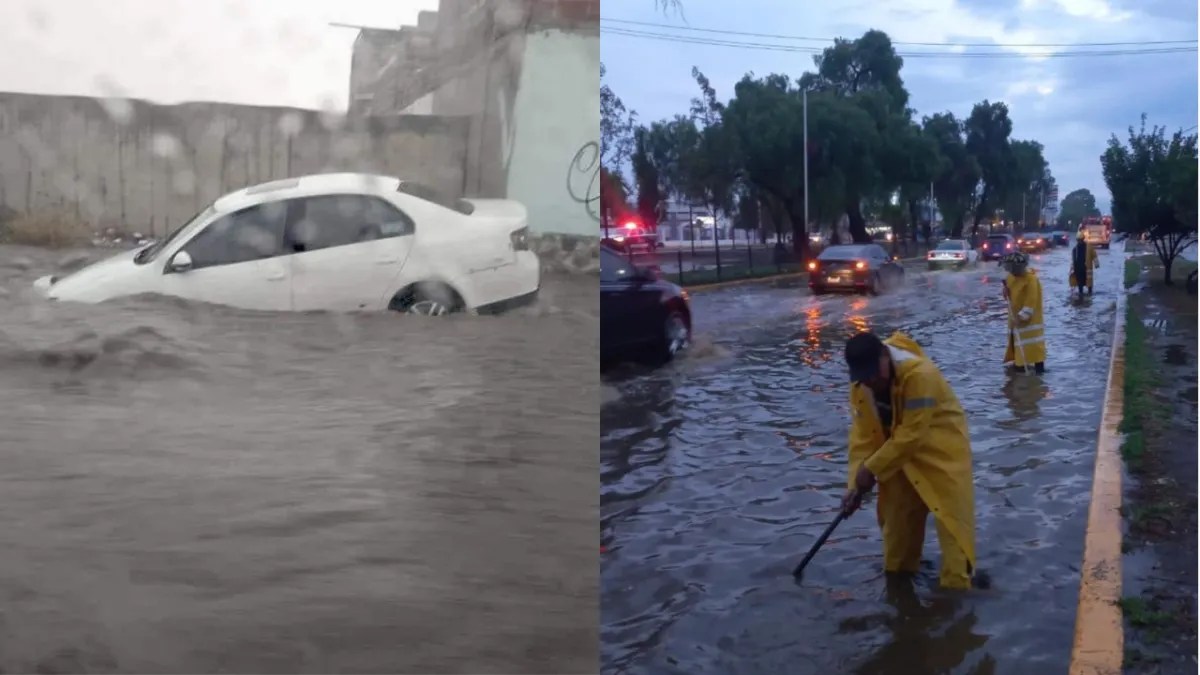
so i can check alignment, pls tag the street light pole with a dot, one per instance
(804, 244)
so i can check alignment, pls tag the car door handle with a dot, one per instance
(387, 261)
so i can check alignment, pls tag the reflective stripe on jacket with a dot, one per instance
(1025, 320)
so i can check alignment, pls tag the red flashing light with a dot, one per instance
(631, 225)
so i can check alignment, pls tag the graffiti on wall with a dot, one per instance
(583, 179)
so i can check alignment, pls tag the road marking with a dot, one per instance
(1099, 647)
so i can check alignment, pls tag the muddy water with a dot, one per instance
(196, 489)
(719, 472)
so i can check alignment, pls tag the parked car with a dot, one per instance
(1060, 238)
(633, 238)
(1033, 242)
(996, 246)
(955, 253)
(641, 314)
(337, 242)
(860, 268)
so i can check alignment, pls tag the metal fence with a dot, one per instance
(697, 263)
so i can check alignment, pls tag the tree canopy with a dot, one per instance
(1077, 205)
(1153, 181)
(869, 155)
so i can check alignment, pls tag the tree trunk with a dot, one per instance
(983, 202)
(799, 230)
(858, 224)
(957, 231)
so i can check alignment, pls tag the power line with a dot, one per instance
(897, 42)
(817, 50)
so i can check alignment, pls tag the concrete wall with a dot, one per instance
(551, 139)
(144, 167)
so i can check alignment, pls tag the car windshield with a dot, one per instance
(843, 253)
(151, 252)
(429, 194)
(950, 246)
(998, 240)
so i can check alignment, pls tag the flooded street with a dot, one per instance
(719, 472)
(197, 489)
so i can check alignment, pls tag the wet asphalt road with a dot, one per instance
(719, 471)
(192, 489)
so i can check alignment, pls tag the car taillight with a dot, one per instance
(930, 256)
(985, 244)
(520, 239)
(812, 267)
(1008, 245)
(860, 265)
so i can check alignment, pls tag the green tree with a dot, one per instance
(645, 176)
(616, 127)
(865, 72)
(1153, 181)
(1030, 177)
(711, 165)
(988, 130)
(958, 172)
(1077, 205)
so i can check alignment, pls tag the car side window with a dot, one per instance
(253, 233)
(341, 220)
(613, 267)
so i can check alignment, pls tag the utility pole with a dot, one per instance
(804, 244)
(1023, 223)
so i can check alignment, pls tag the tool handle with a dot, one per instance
(819, 543)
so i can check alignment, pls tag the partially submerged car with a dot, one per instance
(336, 242)
(858, 268)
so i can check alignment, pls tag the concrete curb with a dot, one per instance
(770, 278)
(1099, 647)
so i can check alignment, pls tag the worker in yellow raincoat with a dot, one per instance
(1083, 260)
(1026, 333)
(908, 434)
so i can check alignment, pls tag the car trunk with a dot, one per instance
(840, 273)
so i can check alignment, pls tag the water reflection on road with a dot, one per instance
(719, 472)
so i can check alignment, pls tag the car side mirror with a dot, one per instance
(180, 262)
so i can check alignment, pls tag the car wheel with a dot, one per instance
(675, 336)
(875, 286)
(427, 300)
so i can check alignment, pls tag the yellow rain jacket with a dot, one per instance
(1025, 318)
(1092, 262)
(923, 464)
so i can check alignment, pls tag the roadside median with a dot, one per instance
(729, 278)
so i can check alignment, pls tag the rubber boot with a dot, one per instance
(1039, 367)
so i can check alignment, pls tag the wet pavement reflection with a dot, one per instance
(719, 471)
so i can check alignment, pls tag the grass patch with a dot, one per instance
(1140, 379)
(1133, 271)
(1144, 616)
(45, 229)
(701, 277)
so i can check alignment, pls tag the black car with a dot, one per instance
(858, 268)
(997, 246)
(641, 314)
(1060, 238)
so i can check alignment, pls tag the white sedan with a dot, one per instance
(335, 242)
(952, 253)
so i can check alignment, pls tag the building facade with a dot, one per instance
(525, 73)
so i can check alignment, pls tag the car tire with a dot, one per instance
(875, 287)
(675, 337)
(427, 299)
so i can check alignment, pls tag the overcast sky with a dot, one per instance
(1071, 105)
(264, 52)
